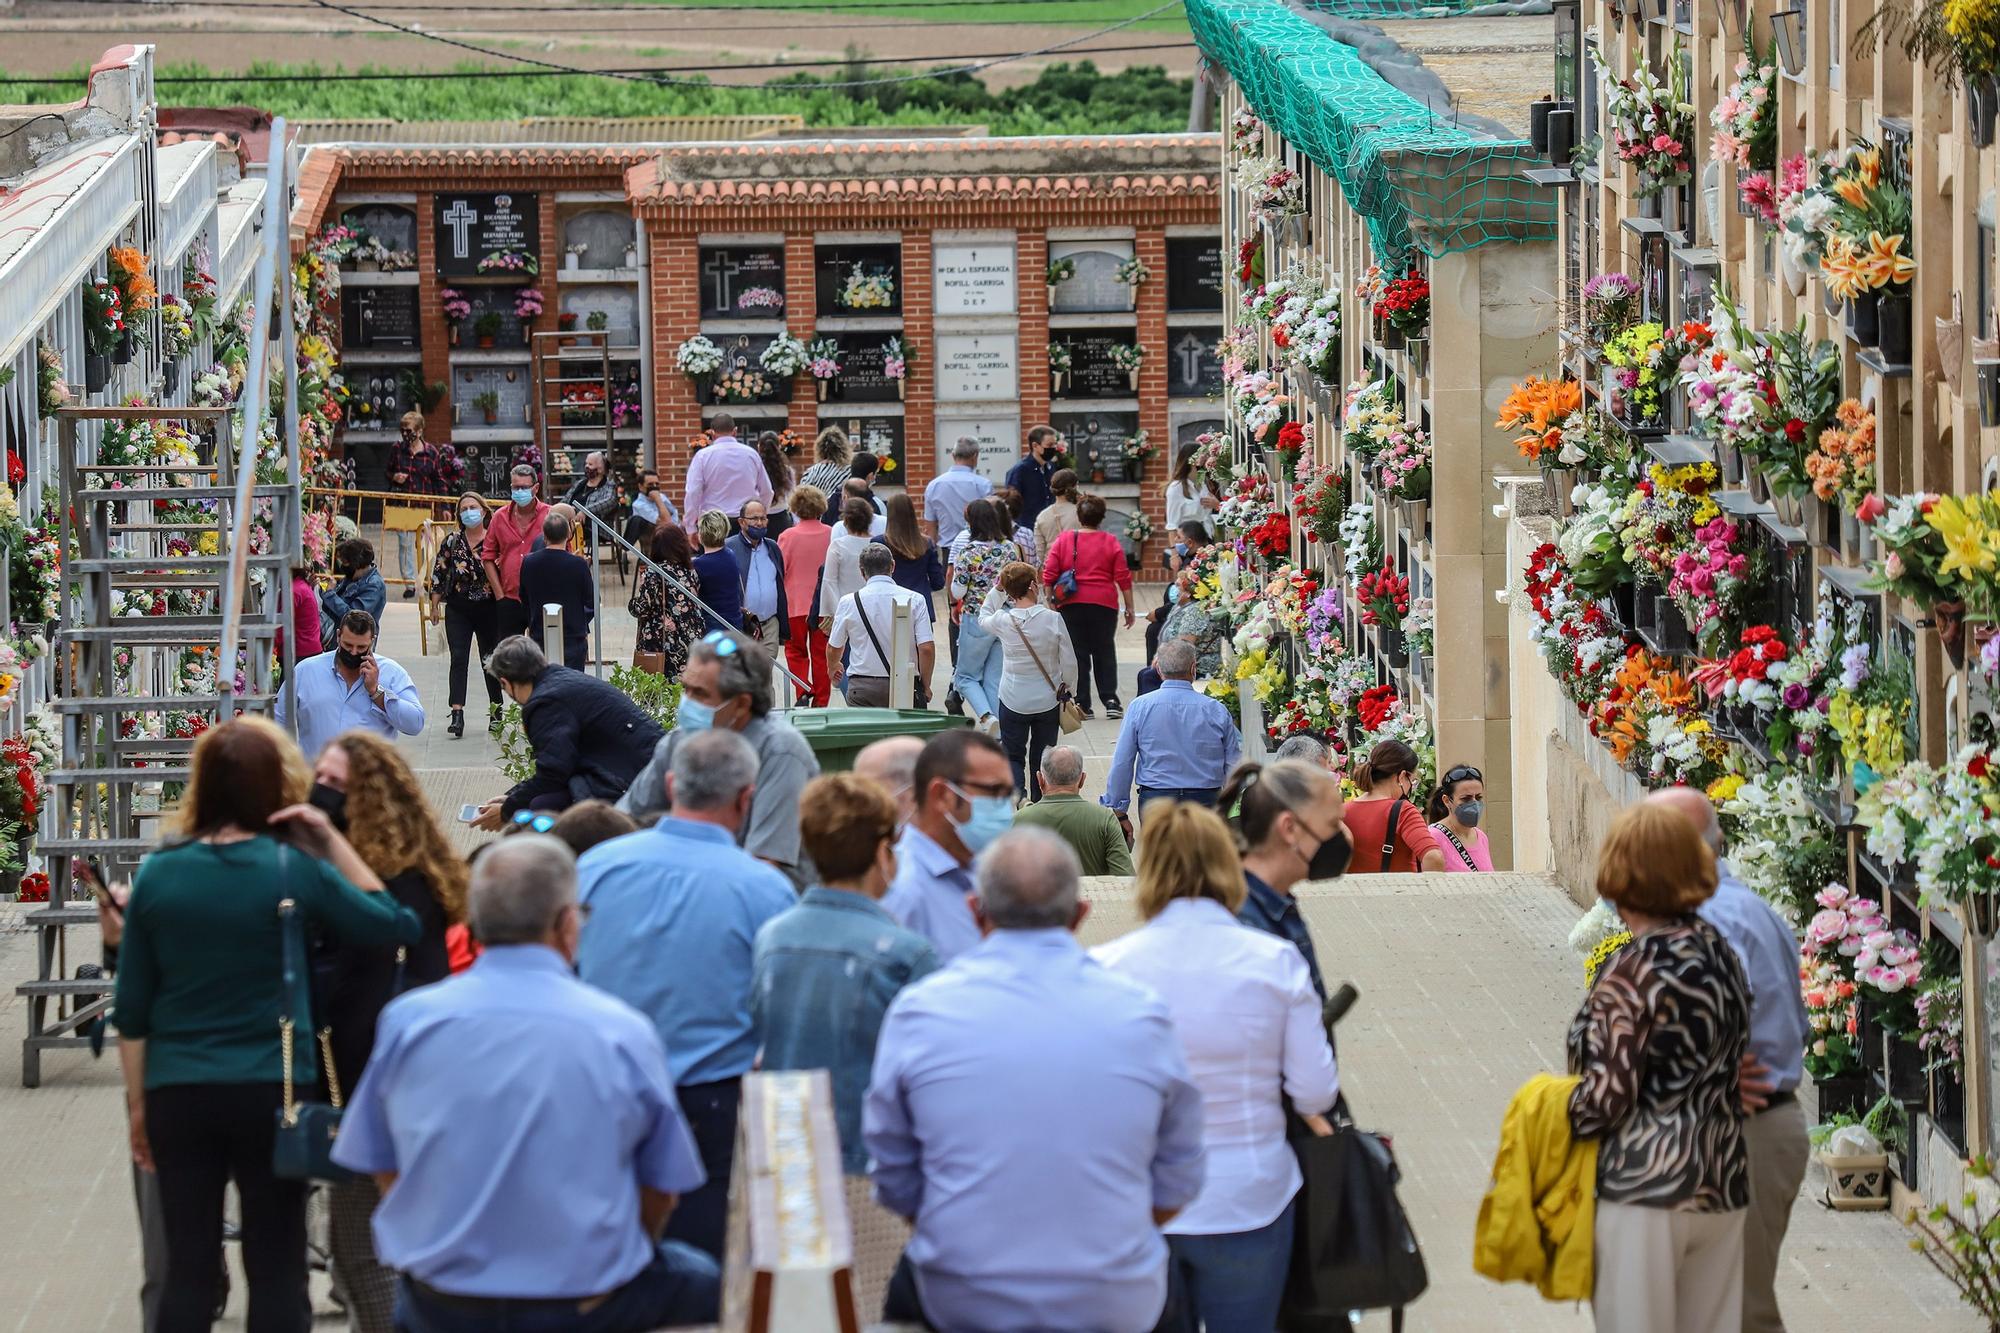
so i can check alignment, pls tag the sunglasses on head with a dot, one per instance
(721, 641)
(540, 823)
(1463, 773)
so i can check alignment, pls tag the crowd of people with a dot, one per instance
(1034, 1135)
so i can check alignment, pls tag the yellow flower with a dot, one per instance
(1885, 264)
(1969, 542)
(1841, 267)
(1725, 787)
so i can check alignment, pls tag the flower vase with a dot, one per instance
(492, 415)
(1673, 637)
(1392, 337)
(902, 386)
(1790, 507)
(1892, 325)
(1625, 603)
(1133, 375)
(1862, 319)
(96, 372)
(1052, 294)
(170, 378)
(452, 332)
(1649, 203)
(1857, 1182)
(1982, 912)
(1058, 380)
(1833, 305)
(1794, 270)
(1982, 108)
(1416, 516)
(1420, 356)
(1670, 207)
(1560, 481)
(121, 355)
(572, 262)
(1538, 124)
(1988, 375)
(1949, 619)
(1759, 484)
(367, 266)
(1850, 532)
(821, 387)
(1395, 648)
(631, 256)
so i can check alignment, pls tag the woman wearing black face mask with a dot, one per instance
(1454, 813)
(1290, 821)
(1388, 823)
(368, 791)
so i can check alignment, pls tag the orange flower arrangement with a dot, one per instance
(1646, 685)
(1844, 459)
(1536, 407)
(135, 285)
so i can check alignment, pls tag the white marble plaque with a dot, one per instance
(978, 367)
(973, 278)
(999, 436)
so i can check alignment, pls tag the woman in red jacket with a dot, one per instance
(1087, 577)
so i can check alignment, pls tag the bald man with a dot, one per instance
(1774, 1131)
(892, 763)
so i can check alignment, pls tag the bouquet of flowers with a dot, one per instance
(895, 357)
(1650, 721)
(1663, 509)
(1868, 710)
(1777, 843)
(1610, 305)
(1370, 417)
(1744, 675)
(1538, 408)
(1321, 501)
(1386, 718)
(1250, 260)
(1258, 401)
(760, 298)
(1941, 1023)
(1418, 626)
(1714, 576)
(1139, 446)
(509, 261)
(527, 303)
(1060, 358)
(1128, 357)
(1246, 132)
(1638, 356)
(1406, 304)
(1865, 227)
(823, 358)
(1843, 462)
(1591, 539)
(132, 271)
(1291, 443)
(1404, 466)
(1312, 333)
(52, 393)
(1384, 596)
(1830, 990)
(1745, 121)
(103, 317)
(1652, 123)
(1132, 271)
(1273, 537)
(1275, 191)
(1577, 638)
(1061, 270)
(867, 291)
(1375, 707)
(1246, 504)
(176, 328)
(1323, 623)
(784, 356)
(455, 306)
(1805, 680)
(697, 356)
(1727, 383)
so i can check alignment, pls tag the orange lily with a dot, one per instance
(1885, 264)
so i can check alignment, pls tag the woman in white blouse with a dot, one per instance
(1244, 1008)
(1187, 499)
(1037, 669)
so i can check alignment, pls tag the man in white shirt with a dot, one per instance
(725, 474)
(863, 625)
(350, 688)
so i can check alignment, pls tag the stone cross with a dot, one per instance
(460, 217)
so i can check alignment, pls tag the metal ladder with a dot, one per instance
(120, 677)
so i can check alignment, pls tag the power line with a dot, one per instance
(664, 7)
(635, 73)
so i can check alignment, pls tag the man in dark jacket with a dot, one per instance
(553, 574)
(760, 568)
(589, 738)
(1041, 456)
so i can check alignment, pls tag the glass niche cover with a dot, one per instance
(1090, 277)
(858, 281)
(742, 281)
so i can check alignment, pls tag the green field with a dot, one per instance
(1064, 99)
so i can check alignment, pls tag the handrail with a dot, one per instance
(647, 561)
(272, 299)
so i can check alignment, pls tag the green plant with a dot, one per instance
(517, 757)
(487, 400)
(658, 696)
(416, 393)
(597, 321)
(488, 324)
(1966, 1249)
(1888, 1123)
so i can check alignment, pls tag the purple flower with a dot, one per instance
(1796, 696)
(1854, 667)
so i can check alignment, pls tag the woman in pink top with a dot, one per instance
(803, 546)
(305, 617)
(1456, 804)
(1097, 560)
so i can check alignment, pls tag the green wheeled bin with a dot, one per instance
(838, 734)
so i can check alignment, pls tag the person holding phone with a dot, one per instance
(352, 689)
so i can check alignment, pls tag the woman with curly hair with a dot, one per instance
(363, 784)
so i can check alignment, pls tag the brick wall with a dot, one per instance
(676, 314)
(920, 445)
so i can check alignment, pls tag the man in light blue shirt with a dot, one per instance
(1031, 1112)
(950, 492)
(523, 1130)
(1178, 744)
(350, 689)
(964, 791)
(674, 912)
(1774, 1132)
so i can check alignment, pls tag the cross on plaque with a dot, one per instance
(722, 268)
(1189, 350)
(460, 217)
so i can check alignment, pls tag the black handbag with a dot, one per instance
(1352, 1246)
(303, 1146)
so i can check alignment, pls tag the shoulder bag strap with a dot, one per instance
(1037, 656)
(291, 936)
(862, 614)
(1389, 831)
(1463, 854)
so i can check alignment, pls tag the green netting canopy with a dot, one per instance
(1424, 9)
(1421, 183)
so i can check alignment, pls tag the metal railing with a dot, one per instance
(794, 685)
(272, 299)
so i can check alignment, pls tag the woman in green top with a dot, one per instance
(199, 976)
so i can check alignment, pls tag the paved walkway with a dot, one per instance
(1466, 988)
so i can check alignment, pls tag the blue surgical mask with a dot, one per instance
(472, 518)
(991, 816)
(755, 531)
(1469, 812)
(523, 496)
(693, 715)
